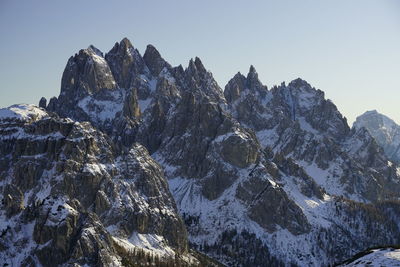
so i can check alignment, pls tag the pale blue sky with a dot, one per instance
(348, 48)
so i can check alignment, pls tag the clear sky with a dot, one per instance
(348, 48)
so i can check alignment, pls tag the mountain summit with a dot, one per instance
(385, 131)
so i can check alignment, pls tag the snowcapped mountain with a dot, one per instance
(385, 131)
(376, 257)
(161, 157)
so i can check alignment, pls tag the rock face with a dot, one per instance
(384, 130)
(70, 196)
(260, 176)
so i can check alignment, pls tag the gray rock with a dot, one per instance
(43, 102)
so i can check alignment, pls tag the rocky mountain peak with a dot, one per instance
(95, 50)
(125, 63)
(122, 48)
(299, 83)
(253, 83)
(385, 131)
(235, 87)
(86, 73)
(43, 102)
(199, 80)
(199, 65)
(196, 67)
(154, 61)
(126, 42)
(252, 73)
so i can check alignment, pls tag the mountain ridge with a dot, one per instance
(275, 176)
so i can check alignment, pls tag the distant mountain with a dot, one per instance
(385, 131)
(137, 160)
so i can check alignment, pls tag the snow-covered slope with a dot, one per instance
(385, 131)
(377, 258)
(21, 112)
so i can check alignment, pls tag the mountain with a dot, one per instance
(375, 257)
(249, 176)
(385, 131)
(71, 196)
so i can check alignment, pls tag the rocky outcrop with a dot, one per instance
(125, 63)
(70, 195)
(43, 103)
(87, 73)
(154, 61)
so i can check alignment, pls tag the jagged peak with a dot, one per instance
(252, 73)
(123, 47)
(199, 65)
(126, 42)
(84, 54)
(234, 87)
(238, 80)
(195, 65)
(191, 65)
(95, 50)
(154, 61)
(252, 69)
(252, 79)
(180, 68)
(298, 83)
(151, 50)
(238, 76)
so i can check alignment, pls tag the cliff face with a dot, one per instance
(259, 176)
(70, 195)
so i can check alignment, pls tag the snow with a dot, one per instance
(99, 60)
(328, 178)
(151, 83)
(19, 133)
(378, 257)
(103, 110)
(267, 137)
(22, 112)
(304, 125)
(384, 130)
(237, 132)
(306, 97)
(227, 212)
(167, 75)
(151, 243)
(94, 168)
(316, 210)
(144, 104)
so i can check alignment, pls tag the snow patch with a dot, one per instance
(22, 112)
(103, 110)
